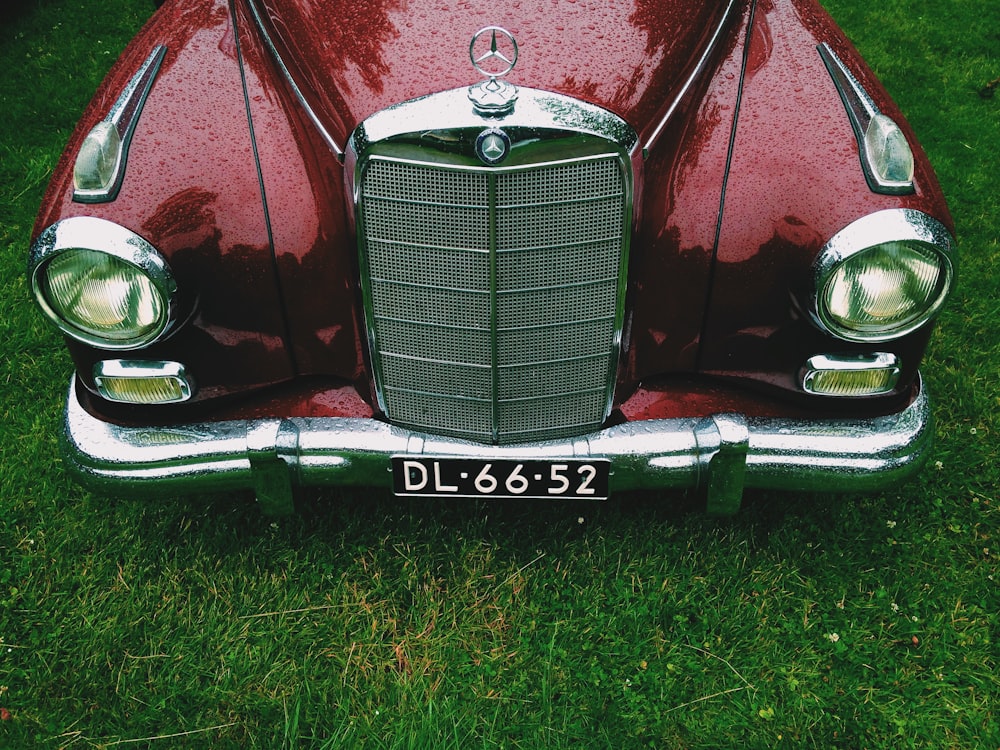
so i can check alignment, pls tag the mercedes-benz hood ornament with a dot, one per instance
(493, 52)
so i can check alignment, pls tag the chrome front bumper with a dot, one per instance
(723, 453)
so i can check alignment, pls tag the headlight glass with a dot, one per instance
(883, 276)
(885, 288)
(102, 284)
(103, 296)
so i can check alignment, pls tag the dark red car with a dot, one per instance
(547, 250)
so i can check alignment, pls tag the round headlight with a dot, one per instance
(101, 283)
(883, 276)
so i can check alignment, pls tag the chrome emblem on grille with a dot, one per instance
(492, 146)
(494, 97)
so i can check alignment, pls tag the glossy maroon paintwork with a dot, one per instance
(232, 182)
(625, 55)
(314, 247)
(677, 211)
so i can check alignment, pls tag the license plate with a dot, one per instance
(471, 477)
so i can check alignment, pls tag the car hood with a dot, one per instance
(353, 59)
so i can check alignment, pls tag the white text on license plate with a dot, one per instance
(467, 477)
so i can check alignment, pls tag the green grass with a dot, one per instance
(806, 621)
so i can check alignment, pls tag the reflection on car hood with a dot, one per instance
(354, 59)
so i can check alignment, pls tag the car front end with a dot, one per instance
(675, 246)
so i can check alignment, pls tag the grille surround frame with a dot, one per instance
(509, 272)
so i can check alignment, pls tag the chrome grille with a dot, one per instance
(494, 296)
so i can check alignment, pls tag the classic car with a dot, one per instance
(469, 249)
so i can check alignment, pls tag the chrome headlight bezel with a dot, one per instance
(907, 228)
(94, 235)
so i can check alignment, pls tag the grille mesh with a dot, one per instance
(492, 295)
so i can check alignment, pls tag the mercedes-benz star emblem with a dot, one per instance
(493, 52)
(493, 62)
(492, 146)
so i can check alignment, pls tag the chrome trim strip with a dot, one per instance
(861, 110)
(853, 362)
(860, 106)
(101, 235)
(124, 116)
(888, 225)
(696, 72)
(723, 453)
(310, 113)
(436, 118)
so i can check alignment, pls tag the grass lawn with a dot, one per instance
(805, 621)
